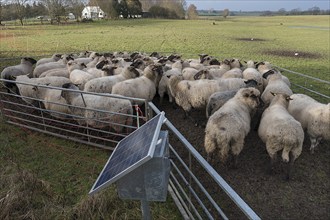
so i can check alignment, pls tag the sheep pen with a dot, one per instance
(305, 194)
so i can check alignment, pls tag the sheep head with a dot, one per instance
(280, 98)
(102, 63)
(268, 73)
(134, 72)
(30, 60)
(109, 70)
(251, 83)
(249, 96)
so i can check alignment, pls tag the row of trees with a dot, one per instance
(58, 9)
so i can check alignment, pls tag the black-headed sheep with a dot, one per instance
(143, 87)
(281, 132)
(105, 84)
(227, 128)
(313, 116)
(98, 111)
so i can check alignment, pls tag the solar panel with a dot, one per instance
(131, 152)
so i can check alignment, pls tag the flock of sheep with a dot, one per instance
(230, 93)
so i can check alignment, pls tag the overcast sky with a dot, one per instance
(259, 5)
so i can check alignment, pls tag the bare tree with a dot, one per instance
(225, 13)
(19, 6)
(314, 10)
(134, 7)
(1, 12)
(177, 6)
(282, 11)
(192, 12)
(56, 9)
(76, 7)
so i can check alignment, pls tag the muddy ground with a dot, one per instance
(305, 196)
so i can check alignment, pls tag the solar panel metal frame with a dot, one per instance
(101, 185)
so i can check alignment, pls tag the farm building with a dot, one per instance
(92, 12)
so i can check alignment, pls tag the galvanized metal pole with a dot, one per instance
(145, 210)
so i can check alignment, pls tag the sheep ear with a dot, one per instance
(288, 98)
(12, 77)
(274, 94)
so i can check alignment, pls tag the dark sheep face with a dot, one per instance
(251, 83)
(31, 60)
(268, 73)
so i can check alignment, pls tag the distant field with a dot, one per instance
(275, 39)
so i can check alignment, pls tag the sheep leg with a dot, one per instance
(273, 159)
(236, 148)
(314, 143)
(210, 147)
(289, 166)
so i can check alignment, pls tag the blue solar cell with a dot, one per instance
(130, 153)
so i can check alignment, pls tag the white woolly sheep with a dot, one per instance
(217, 72)
(235, 63)
(251, 64)
(143, 87)
(252, 73)
(56, 57)
(64, 72)
(195, 94)
(264, 67)
(275, 85)
(177, 68)
(98, 111)
(38, 70)
(24, 68)
(233, 73)
(10, 72)
(313, 116)
(280, 131)
(105, 84)
(90, 58)
(227, 128)
(29, 92)
(218, 99)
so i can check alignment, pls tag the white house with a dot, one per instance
(92, 12)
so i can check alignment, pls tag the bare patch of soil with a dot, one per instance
(290, 53)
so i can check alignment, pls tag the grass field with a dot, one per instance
(276, 39)
(66, 170)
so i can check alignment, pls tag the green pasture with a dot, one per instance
(223, 38)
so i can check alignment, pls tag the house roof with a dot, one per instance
(93, 9)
